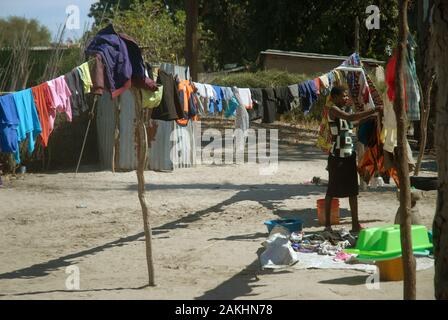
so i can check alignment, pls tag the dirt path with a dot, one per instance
(208, 227)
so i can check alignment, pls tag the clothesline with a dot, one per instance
(31, 112)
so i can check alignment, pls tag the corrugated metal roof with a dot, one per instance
(105, 126)
(127, 156)
(161, 152)
(315, 56)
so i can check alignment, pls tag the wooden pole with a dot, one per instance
(439, 56)
(409, 288)
(116, 147)
(357, 34)
(425, 107)
(359, 146)
(191, 37)
(91, 116)
(142, 144)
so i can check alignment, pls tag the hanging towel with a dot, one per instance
(246, 98)
(84, 73)
(218, 98)
(29, 124)
(9, 122)
(60, 94)
(257, 111)
(324, 81)
(269, 105)
(170, 107)
(201, 89)
(76, 87)
(43, 101)
(227, 93)
(284, 99)
(308, 95)
(97, 75)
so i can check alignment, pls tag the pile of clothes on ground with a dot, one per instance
(326, 243)
(283, 248)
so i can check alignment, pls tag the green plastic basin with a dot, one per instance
(382, 243)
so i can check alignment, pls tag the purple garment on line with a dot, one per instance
(115, 55)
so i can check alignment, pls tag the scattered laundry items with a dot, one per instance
(326, 243)
(278, 250)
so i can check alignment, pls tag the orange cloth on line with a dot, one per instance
(317, 83)
(43, 101)
(187, 90)
(372, 163)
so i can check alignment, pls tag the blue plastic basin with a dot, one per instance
(293, 225)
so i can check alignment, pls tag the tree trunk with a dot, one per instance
(116, 147)
(142, 143)
(409, 291)
(425, 107)
(439, 53)
(191, 37)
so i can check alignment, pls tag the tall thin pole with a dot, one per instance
(357, 34)
(409, 288)
(191, 37)
(142, 143)
(92, 114)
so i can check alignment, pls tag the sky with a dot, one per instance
(50, 13)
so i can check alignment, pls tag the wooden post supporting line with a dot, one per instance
(409, 288)
(142, 150)
(92, 114)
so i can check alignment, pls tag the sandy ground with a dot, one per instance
(208, 229)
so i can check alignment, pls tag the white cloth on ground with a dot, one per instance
(279, 252)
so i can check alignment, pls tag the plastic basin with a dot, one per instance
(293, 225)
(383, 243)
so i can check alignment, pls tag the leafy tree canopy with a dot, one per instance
(13, 27)
(235, 31)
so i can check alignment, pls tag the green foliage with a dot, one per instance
(160, 33)
(244, 28)
(13, 27)
(260, 79)
(235, 31)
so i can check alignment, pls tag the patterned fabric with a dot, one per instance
(341, 137)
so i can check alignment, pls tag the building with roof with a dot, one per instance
(307, 63)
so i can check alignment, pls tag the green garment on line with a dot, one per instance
(84, 73)
(152, 99)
